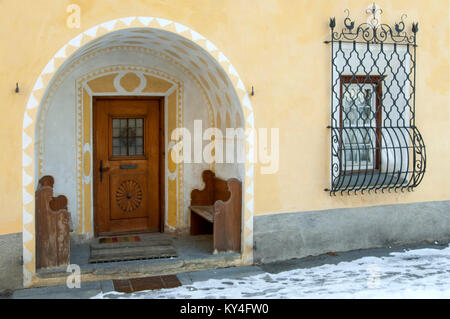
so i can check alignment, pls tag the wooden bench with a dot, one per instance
(217, 210)
(53, 226)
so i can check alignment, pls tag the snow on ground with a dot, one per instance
(423, 273)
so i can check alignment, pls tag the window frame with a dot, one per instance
(377, 81)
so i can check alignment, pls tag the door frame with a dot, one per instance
(162, 160)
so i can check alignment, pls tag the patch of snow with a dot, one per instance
(422, 273)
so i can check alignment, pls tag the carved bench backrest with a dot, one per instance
(226, 197)
(53, 223)
(215, 189)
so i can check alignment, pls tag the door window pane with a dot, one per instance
(128, 137)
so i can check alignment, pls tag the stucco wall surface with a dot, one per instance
(277, 47)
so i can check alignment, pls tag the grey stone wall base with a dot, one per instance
(11, 272)
(295, 235)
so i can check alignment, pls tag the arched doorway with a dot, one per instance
(184, 51)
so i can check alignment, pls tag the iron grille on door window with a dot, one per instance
(375, 144)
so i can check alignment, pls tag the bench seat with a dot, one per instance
(207, 212)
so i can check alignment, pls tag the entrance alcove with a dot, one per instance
(134, 63)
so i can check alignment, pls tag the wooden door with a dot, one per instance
(127, 161)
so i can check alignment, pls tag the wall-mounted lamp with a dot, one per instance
(17, 87)
(253, 91)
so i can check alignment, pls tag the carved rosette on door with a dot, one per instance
(129, 196)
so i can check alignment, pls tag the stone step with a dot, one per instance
(145, 243)
(154, 268)
(132, 253)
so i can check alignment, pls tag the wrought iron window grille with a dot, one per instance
(375, 144)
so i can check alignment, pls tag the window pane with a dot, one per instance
(139, 150)
(128, 137)
(116, 142)
(123, 150)
(132, 150)
(358, 116)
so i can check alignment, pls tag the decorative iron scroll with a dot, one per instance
(375, 144)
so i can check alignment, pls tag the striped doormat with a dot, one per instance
(111, 240)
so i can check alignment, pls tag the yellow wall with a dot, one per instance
(277, 47)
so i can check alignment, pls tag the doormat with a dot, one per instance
(110, 240)
(148, 283)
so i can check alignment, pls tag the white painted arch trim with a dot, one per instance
(34, 102)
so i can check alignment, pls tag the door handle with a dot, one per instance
(102, 170)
